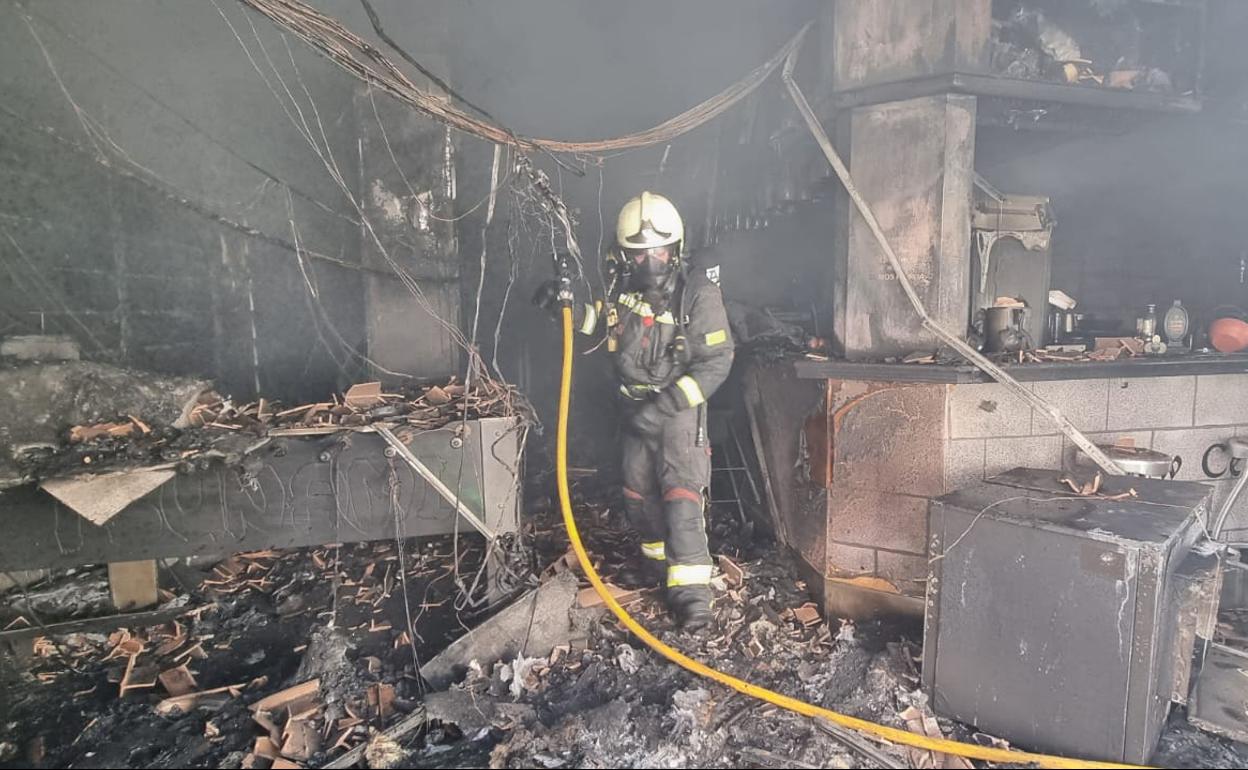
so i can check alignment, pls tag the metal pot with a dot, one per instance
(1004, 329)
(1138, 461)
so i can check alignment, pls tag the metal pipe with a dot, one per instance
(423, 471)
(1239, 451)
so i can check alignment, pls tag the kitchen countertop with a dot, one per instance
(1142, 366)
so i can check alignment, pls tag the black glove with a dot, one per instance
(547, 296)
(649, 419)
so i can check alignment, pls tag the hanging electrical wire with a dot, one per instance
(182, 117)
(172, 195)
(304, 115)
(364, 61)
(361, 59)
(321, 148)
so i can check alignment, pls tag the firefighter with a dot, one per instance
(672, 349)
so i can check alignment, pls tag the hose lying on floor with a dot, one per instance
(877, 731)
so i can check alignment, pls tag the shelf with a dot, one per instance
(1160, 366)
(1034, 91)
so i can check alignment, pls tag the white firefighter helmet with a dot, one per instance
(649, 220)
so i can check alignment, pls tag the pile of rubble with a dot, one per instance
(605, 700)
(1031, 45)
(614, 703)
(273, 659)
(431, 406)
(1105, 349)
(602, 699)
(307, 658)
(216, 427)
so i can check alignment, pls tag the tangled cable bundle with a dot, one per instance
(358, 57)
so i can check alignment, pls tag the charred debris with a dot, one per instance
(278, 427)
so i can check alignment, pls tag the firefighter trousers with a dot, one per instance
(666, 477)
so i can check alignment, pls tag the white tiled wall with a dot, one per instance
(1221, 399)
(987, 410)
(1003, 454)
(989, 430)
(1151, 402)
(964, 462)
(1083, 402)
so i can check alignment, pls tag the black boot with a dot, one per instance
(642, 573)
(692, 606)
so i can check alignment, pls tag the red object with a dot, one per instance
(1229, 335)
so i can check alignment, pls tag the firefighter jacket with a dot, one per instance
(684, 350)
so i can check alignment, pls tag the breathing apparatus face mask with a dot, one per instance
(649, 269)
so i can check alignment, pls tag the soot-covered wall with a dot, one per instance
(117, 114)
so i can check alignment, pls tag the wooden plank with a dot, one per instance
(319, 430)
(99, 498)
(105, 624)
(133, 584)
(296, 697)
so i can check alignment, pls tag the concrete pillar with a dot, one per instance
(884, 41)
(913, 160)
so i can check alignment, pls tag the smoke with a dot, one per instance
(583, 71)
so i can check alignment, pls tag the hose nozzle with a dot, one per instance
(563, 270)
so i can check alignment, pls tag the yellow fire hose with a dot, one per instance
(877, 731)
